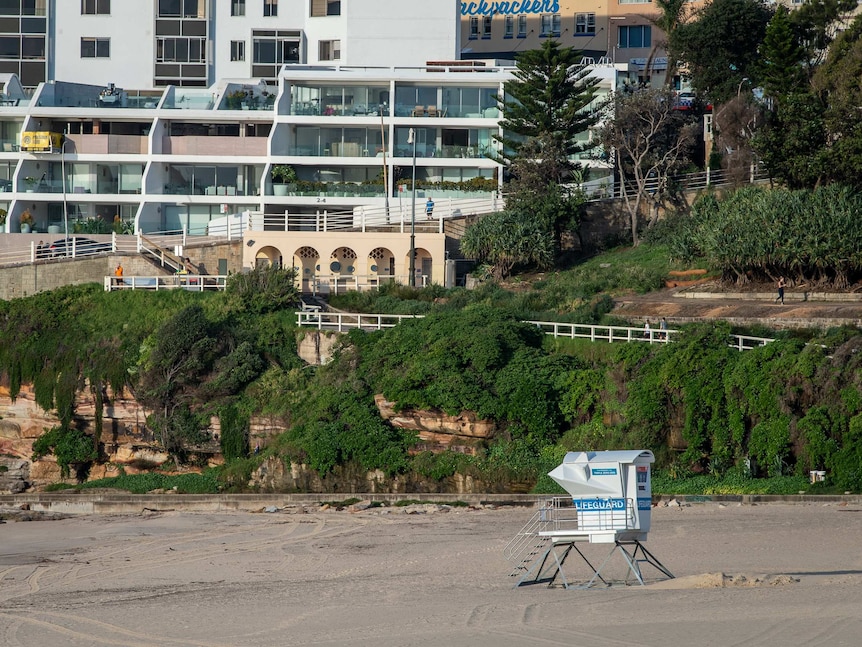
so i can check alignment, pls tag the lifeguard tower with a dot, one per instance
(611, 502)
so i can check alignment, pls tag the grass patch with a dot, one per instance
(58, 487)
(662, 483)
(205, 483)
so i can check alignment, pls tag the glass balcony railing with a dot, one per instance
(213, 190)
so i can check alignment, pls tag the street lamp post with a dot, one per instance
(63, 173)
(411, 139)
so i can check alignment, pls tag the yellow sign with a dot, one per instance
(45, 142)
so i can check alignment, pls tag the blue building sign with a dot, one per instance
(509, 7)
(604, 471)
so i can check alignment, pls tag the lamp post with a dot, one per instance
(411, 139)
(63, 173)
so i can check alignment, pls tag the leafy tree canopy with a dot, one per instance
(720, 47)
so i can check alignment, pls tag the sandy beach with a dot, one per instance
(792, 575)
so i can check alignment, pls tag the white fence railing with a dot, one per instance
(605, 333)
(29, 248)
(397, 217)
(191, 282)
(342, 321)
(339, 283)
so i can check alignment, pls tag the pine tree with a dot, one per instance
(549, 100)
(782, 57)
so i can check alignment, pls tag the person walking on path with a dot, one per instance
(647, 330)
(781, 285)
(663, 327)
(118, 274)
(429, 208)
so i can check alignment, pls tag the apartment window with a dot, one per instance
(270, 7)
(95, 7)
(635, 36)
(95, 48)
(329, 50)
(237, 50)
(522, 26)
(509, 27)
(182, 9)
(180, 50)
(237, 8)
(325, 8)
(474, 27)
(550, 24)
(486, 26)
(271, 48)
(585, 23)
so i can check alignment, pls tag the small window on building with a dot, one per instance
(474, 27)
(321, 8)
(635, 36)
(95, 48)
(237, 50)
(486, 26)
(95, 7)
(522, 26)
(237, 8)
(509, 27)
(585, 23)
(270, 7)
(330, 50)
(550, 24)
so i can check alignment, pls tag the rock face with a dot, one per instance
(274, 475)
(315, 346)
(14, 475)
(438, 431)
(126, 441)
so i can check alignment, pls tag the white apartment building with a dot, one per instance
(146, 44)
(107, 146)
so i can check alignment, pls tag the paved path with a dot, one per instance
(682, 305)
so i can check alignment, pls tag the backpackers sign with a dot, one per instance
(509, 7)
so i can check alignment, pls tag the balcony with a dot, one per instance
(106, 144)
(214, 146)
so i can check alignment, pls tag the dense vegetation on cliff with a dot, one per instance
(703, 408)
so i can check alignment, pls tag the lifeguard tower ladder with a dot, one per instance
(611, 502)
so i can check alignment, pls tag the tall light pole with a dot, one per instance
(411, 139)
(63, 173)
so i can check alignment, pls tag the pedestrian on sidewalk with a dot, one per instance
(781, 285)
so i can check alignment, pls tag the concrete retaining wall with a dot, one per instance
(110, 503)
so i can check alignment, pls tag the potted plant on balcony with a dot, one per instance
(2, 221)
(233, 100)
(30, 184)
(283, 179)
(26, 221)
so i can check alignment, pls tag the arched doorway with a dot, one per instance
(423, 267)
(342, 269)
(267, 256)
(306, 262)
(381, 266)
